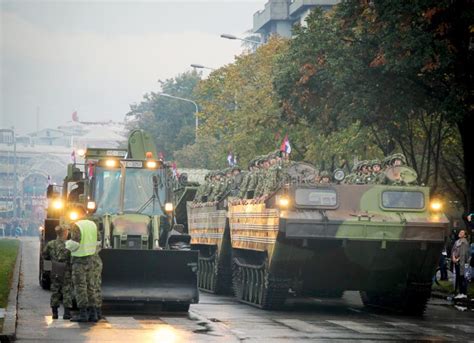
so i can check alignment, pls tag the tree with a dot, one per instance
(401, 68)
(238, 105)
(171, 122)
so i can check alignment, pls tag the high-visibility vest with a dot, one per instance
(88, 242)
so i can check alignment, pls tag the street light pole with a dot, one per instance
(200, 66)
(227, 36)
(187, 100)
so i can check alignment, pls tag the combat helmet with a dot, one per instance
(398, 156)
(375, 162)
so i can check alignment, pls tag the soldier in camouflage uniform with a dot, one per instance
(375, 175)
(325, 177)
(96, 283)
(61, 283)
(274, 175)
(85, 238)
(261, 176)
(246, 179)
(218, 187)
(202, 189)
(254, 177)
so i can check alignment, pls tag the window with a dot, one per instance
(316, 197)
(403, 199)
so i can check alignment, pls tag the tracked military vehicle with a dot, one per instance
(322, 239)
(146, 258)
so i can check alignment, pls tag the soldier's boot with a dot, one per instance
(82, 317)
(93, 315)
(55, 312)
(98, 310)
(67, 313)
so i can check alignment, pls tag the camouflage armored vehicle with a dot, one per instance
(208, 227)
(146, 258)
(322, 239)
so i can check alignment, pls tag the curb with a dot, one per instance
(440, 295)
(9, 322)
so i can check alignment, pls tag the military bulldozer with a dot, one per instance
(127, 193)
(323, 239)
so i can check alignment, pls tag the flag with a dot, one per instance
(73, 156)
(90, 172)
(49, 180)
(285, 145)
(75, 117)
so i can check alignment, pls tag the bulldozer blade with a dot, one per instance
(149, 276)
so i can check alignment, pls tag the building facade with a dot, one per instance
(30, 162)
(279, 16)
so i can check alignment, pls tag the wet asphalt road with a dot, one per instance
(222, 319)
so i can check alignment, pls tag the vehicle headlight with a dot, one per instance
(283, 202)
(81, 152)
(58, 204)
(111, 163)
(151, 164)
(169, 207)
(436, 205)
(73, 215)
(91, 205)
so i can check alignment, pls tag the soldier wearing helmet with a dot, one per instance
(325, 177)
(375, 167)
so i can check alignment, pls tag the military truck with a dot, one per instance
(146, 258)
(322, 239)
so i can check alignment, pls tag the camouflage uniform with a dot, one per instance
(273, 179)
(217, 189)
(86, 278)
(61, 288)
(96, 280)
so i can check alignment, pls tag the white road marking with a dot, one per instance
(60, 323)
(302, 326)
(465, 328)
(123, 322)
(361, 327)
(414, 328)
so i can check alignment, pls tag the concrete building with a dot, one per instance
(279, 16)
(42, 157)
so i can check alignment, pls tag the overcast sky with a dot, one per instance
(98, 57)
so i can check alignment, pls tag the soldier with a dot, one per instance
(61, 284)
(325, 177)
(202, 189)
(83, 246)
(96, 282)
(375, 176)
(274, 175)
(350, 178)
(208, 187)
(261, 175)
(246, 179)
(254, 177)
(217, 187)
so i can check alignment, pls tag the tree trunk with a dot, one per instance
(466, 127)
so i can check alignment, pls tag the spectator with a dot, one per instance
(460, 257)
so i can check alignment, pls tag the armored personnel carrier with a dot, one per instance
(322, 239)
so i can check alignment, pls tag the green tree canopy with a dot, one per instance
(170, 121)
